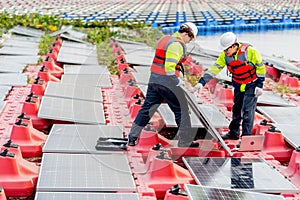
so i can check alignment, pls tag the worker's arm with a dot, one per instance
(214, 69)
(174, 54)
(255, 58)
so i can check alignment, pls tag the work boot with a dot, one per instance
(191, 145)
(132, 141)
(229, 136)
(134, 133)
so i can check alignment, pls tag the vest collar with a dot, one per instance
(178, 35)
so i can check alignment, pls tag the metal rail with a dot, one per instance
(206, 123)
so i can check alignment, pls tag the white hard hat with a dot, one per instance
(227, 40)
(193, 28)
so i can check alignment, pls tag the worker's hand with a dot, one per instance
(258, 91)
(181, 82)
(197, 88)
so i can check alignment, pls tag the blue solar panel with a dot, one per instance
(252, 174)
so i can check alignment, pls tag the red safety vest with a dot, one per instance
(242, 70)
(158, 64)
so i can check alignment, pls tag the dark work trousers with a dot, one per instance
(175, 98)
(243, 109)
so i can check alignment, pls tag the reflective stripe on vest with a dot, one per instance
(242, 70)
(158, 64)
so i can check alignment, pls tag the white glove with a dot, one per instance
(258, 91)
(181, 82)
(197, 88)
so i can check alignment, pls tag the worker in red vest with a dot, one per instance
(164, 82)
(248, 74)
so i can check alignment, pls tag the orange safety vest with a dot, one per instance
(242, 70)
(158, 64)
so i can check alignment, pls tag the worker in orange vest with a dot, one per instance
(164, 82)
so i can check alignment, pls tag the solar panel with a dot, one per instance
(7, 50)
(12, 79)
(26, 31)
(142, 69)
(283, 65)
(71, 110)
(4, 90)
(77, 51)
(141, 78)
(211, 111)
(72, 38)
(85, 196)
(25, 38)
(251, 174)
(89, 79)
(2, 105)
(78, 45)
(197, 192)
(139, 58)
(273, 99)
(31, 59)
(143, 88)
(12, 67)
(85, 69)
(290, 133)
(128, 45)
(20, 43)
(138, 49)
(85, 173)
(78, 138)
(76, 59)
(77, 34)
(87, 93)
(64, 29)
(91, 60)
(281, 115)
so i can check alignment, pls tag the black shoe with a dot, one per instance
(191, 145)
(229, 136)
(132, 141)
